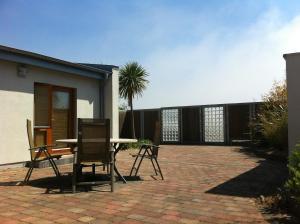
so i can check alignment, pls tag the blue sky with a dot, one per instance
(196, 52)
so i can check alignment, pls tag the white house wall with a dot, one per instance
(17, 104)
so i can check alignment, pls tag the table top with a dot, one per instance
(112, 140)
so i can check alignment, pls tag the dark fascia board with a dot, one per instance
(285, 56)
(30, 58)
(213, 105)
(204, 105)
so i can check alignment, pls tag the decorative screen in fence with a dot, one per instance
(214, 124)
(170, 125)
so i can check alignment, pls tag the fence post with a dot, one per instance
(201, 124)
(226, 125)
(251, 118)
(180, 128)
(142, 124)
(161, 124)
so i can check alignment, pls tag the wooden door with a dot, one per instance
(61, 114)
(53, 114)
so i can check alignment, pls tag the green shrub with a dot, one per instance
(293, 183)
(275, 130)
(135, 145)
(273, 117)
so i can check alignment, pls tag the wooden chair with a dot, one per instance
(93, 149)
(148, 151)
(39, 153)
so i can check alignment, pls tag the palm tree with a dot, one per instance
(132, 83)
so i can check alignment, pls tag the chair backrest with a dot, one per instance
(156, 139)
(93, 140)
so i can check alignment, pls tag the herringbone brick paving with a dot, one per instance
(203, 184)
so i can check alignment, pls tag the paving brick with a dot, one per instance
(203, 184)
(86, 219)
(65, 220)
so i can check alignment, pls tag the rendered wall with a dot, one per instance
(17, 104)
(293, 85)
(111, 102)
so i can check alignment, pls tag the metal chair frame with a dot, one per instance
(38, 154)
(148, 151)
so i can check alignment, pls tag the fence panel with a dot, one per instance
(211, 124)
(124, 124)
(150, 118)
(191, 125)
(214, 127)
(239, 119)
(170, 125)
(137, 123)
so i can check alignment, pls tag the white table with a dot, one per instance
(114, 142)
(73, 141)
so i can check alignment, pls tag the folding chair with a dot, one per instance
(148, 151)
(93, 149)
(38, 154)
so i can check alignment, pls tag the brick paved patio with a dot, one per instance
(203, 184)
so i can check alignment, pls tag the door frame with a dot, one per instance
(72, 113)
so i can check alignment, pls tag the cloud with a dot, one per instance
(223, 66)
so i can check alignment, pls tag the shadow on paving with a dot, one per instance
(263, 152)
(53, 185)
(261, 180)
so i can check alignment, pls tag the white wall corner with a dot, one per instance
(111, 101)
(115, 88)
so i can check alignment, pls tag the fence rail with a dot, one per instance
(223, 124)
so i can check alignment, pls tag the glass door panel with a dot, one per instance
(60, 115)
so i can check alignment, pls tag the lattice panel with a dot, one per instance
(214, 124)
(170, 125)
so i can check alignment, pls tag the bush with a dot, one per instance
(273, 117)
(293, 183)
(135, 145)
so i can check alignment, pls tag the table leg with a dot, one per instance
(119, 175)
(115, 167)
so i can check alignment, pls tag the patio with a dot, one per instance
(203, 184)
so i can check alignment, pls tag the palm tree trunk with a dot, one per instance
(132, 118)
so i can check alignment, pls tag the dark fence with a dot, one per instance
(224, 124)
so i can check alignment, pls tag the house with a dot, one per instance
(52, 93)
(293, 86)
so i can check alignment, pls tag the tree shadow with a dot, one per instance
(264, 179)
(264, 152)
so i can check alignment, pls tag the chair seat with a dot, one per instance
(92, 164)
(42, 158)
(56, 154)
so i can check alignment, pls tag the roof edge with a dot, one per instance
(51, 59)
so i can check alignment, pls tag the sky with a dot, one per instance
(196, 52)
